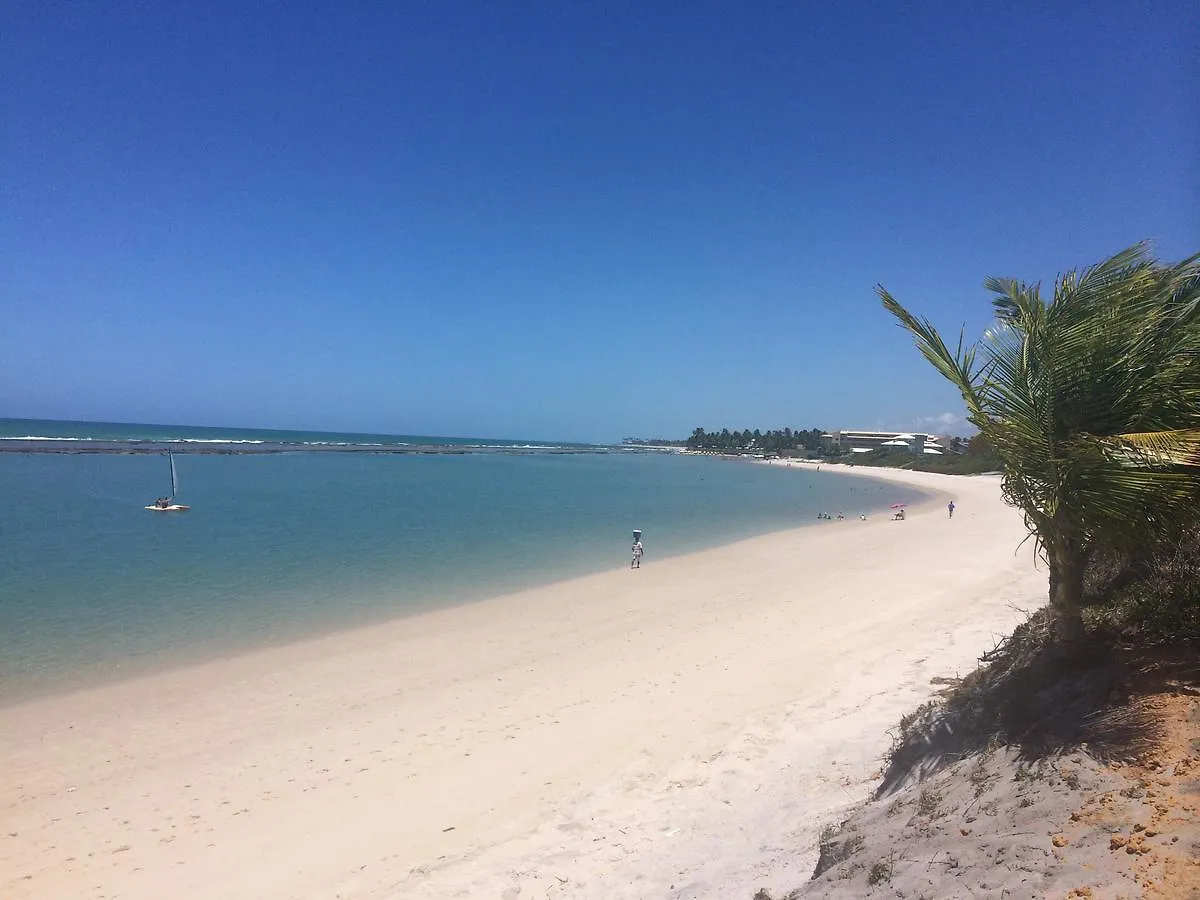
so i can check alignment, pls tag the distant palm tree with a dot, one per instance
(1092, 402)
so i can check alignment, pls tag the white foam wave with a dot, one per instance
(508, 446)
(349, 444)
(138, 440)
(39, 437)
(194, 440)
(152, 440)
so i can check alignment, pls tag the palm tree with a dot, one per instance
(1092, 402)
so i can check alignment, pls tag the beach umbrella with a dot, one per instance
(898, 506)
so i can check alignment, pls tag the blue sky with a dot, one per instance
(572, 221)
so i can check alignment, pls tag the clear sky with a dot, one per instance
(558, 220)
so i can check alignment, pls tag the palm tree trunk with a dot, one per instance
(1066, 563)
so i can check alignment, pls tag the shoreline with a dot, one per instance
(160, 662)
(627, 720)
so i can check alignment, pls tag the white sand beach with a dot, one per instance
(679, 731)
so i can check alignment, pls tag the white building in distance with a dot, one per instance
(866, 441)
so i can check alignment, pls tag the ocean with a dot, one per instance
(49, 435)
(303, 541)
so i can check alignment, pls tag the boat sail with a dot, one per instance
(168, 504)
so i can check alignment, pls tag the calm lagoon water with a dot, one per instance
(282, 546)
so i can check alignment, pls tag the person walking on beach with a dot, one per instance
(636, 562)
(950, 508)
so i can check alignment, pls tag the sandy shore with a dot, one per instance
(680, 731)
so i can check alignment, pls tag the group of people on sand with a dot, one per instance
(638, 550)
(897, 516)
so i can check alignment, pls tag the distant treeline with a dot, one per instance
(783, 441)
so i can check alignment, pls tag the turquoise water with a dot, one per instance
(282, 546)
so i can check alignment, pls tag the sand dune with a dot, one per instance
(677, 731)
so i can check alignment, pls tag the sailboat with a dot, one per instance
(170, 505)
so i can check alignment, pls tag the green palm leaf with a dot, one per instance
(1092, 401)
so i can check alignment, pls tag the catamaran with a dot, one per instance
(168, 504)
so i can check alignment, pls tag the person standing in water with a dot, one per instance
(636, 562)
(950, 508)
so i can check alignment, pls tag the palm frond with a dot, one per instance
(1015, 301)
(958, 368)
(1092, 399)
(1180, 447)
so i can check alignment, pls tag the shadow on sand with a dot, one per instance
(1032, 697)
